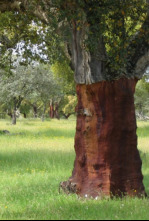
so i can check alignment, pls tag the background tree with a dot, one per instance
(34, 84)
(46, 88)
(14, 89)
(64, 74)
(25, 108)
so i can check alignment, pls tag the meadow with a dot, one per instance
(36, 157)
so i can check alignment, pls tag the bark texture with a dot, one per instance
(89, 67)
(51, 110)
(107, 159)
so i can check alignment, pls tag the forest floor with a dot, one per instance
(36, 157)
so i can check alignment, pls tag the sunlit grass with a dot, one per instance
(36, 157)
(143, 134)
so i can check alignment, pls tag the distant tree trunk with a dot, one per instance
(56, 113)
(107, 159)
(17, 104)
(35, 111)
(25, 115)
(51, 109)
(14, 117)
(10, 114)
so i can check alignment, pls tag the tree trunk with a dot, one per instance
(25, 115)
(14, 118)
(35, 111)
(56, 114)
(107, 159)
(51, 110)
(43, 118)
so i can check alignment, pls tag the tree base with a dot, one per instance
(107, 159)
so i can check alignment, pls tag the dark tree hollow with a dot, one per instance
(107, 159)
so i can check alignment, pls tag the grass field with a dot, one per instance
(36, 157)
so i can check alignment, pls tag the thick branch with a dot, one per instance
(19, 101)
(139, 50)
(90, 66)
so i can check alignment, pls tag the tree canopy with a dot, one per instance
(103, 39)
(29, 84)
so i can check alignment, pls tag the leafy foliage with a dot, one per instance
(64, 73)
(117, 22)
(67, 105)
(32, 84)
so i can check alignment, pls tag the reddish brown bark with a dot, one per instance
(51, 111)
(107, 159)
(54, 111)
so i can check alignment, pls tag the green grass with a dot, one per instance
(37, 157)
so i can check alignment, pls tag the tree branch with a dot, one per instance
(138, 52)
(19, 101)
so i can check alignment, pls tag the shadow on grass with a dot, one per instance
(40, 160)
(49, 161)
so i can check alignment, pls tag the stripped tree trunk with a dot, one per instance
(51, 110)
(107, 159)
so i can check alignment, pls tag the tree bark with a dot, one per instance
(107, 159)
(56, 114)
(14, 118)
(51, 110)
